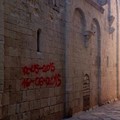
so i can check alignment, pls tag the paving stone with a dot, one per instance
(106, 112)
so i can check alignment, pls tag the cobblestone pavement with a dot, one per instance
(106, 112)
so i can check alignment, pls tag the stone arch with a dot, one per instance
(98, 27)
(82, 17)
(97, 55)
(74, 74)
(78, 59)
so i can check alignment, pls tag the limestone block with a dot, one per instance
(24, 106)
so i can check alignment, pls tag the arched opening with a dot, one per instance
(96, 62)
(79, 20)
(77, 60)
(39, 40)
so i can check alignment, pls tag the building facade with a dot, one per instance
(58, 57)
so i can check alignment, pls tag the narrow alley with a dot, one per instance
(106, 112)
(59, 58)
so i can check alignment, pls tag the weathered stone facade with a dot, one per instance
(23, 99)
(58, 57)
(92, 58)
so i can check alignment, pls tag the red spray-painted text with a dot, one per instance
(53, 80)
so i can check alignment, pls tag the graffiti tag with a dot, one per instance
(53, 80)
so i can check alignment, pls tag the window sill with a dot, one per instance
(40, 55)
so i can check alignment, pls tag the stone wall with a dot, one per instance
(57, 57)
(1, 54)
(91, 55)
(34, 80)
(117, 46)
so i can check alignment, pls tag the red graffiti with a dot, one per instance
(40, 81)
(35, 68)
(54, 80)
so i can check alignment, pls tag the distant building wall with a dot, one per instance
(91, 66)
